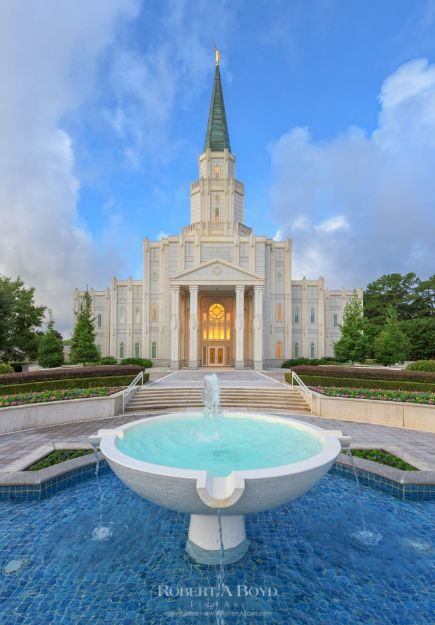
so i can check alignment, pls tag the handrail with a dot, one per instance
(126, 392)
(303, 386)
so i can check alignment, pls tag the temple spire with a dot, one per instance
(217, 138)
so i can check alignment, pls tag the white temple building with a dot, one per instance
(217, 294)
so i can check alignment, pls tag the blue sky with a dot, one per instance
(324, 101)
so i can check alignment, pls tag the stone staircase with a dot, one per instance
(279, 397)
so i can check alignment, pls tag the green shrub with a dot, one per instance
(321, 380)
(108, 360)
(422, 365)
(110, 381)
(5, 368)
(367, 373)
(314, 362)
(68, 373)
(141, 362)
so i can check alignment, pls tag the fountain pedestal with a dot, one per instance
(204, 543)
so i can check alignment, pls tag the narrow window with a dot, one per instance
(99, 321)
(121, 350)
(137, 315)
(279, 312)
(122, 315)
(296, 316)
(278, 349)
(335, 320)
(217, 172)
(154, 312)
(312, 315)
(312, 350)
(154, 349)
(136, 350)
(296, 350)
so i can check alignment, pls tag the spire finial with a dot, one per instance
(217, 54)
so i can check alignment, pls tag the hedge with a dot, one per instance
(366, 374)
(320, 380)
(67, 373)
(114, 380)
(421, 365)
(293, 362)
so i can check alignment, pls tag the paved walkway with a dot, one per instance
(227, 377)
(418, 448)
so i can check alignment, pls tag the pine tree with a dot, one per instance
(391, 344)
(353, 343)
(50, 347)
(83, 348)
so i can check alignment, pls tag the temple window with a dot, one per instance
(278, 349)
(136, 350)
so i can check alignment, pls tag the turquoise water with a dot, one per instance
(218, 446)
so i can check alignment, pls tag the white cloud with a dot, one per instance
(48, 56)
(151, 87)
(361, 205)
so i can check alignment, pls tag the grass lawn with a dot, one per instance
(383, 457)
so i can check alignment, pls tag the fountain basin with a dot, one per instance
(201, 493)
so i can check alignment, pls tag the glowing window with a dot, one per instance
(279, 312)
(217, 172)
(218, 325)
(278, 350)
(216, 311)
(154, 312)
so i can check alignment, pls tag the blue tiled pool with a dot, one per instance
(303, 566)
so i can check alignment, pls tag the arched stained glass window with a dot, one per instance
(278, 349)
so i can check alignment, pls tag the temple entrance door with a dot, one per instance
(216, 356)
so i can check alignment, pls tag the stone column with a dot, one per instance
(175, 327)
(193, 328)
(258, 327)
(240, 326)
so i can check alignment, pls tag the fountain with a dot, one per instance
(234, 463)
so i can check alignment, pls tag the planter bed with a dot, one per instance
(21, 399)
(377, 394)
(383, 457)
(65, 373)
(366, 374)
(57, 456)
(110, 381)
(403, 385)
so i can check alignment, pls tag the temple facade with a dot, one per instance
(217, 294)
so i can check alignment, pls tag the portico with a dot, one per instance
(216, 317)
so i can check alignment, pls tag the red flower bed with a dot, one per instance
(68, 373)
(366, 373)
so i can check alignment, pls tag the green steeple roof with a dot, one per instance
(217, 137)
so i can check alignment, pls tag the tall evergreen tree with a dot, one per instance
(352, 344)
(50, 348)
(391, 344)
(83, 348)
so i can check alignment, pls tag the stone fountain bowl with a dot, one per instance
(200, 494)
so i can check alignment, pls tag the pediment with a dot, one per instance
(219, 272)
